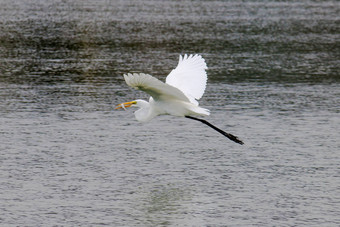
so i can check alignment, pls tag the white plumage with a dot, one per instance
(178, 96)
(154, 87)
(189, 76)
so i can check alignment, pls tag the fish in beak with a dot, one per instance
(125, 105)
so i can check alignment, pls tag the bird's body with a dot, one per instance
(173, 107)
(177, 96)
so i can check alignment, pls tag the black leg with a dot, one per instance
(230, 136)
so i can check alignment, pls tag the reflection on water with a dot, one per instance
(164, 205)
(68, 159)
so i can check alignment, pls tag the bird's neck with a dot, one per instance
(146, 111)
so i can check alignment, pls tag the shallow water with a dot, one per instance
(68, 158)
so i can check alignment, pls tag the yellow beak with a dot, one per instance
(124, 105)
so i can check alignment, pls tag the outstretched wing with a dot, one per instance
(189, 76)
(154, 87)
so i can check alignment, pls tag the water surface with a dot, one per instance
(68, 158)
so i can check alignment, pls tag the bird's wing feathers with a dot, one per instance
(154, 87)
(189, 76)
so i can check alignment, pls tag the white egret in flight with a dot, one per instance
(177, 96)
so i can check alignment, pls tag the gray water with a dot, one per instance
(69, 159)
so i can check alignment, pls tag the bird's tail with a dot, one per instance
(199, 110)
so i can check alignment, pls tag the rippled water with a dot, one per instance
(67, 158)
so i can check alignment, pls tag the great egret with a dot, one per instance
(177, 96)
